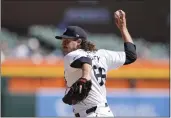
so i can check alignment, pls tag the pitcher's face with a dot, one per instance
(69, 45)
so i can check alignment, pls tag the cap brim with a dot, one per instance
(63, 36)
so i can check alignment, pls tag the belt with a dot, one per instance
(93, 109)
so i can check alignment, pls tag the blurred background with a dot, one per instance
(32, 81)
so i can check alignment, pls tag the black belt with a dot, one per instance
(93, 109)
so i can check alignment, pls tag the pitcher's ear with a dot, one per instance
(79, 41)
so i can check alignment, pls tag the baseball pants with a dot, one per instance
(97, 111)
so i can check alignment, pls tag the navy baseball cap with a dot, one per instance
(73, 32)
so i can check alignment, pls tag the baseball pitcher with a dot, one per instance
(85, 68)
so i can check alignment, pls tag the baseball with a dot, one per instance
(117, 14)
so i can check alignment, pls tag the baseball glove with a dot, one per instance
(78, 91)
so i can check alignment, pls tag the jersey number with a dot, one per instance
(99, 74)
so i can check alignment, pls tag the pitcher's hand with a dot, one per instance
(120, 19)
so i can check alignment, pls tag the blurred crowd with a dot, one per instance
(21, 47)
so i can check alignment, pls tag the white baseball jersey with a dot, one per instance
(102, 61)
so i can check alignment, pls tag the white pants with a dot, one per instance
(101, 111)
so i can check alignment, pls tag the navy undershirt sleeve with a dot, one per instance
(80, 61)
(130, 50)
